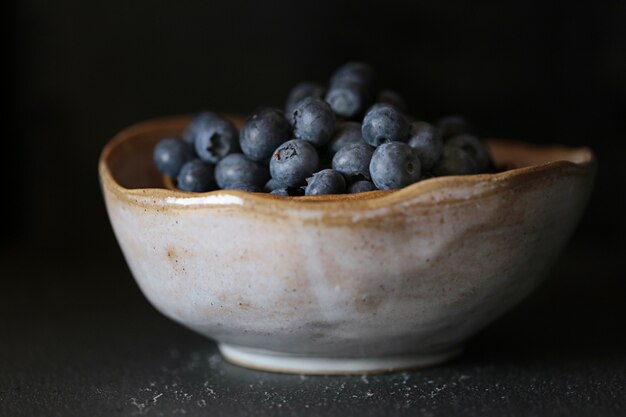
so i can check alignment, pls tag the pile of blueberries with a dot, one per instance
(350, 137)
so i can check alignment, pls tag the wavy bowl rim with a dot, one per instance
(367, 200)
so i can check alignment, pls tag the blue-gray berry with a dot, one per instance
(473, 146)
(199, 123)
(353, 161)
(347, 99)
(251, 188)
(218, 138)
(313, 120)
(394, 165)
(280, 191)
(300, 91)
(361, 187)
(170, 154)
(351, 89)
(196, 176)
(236, 168)
(426, 140)
(451, 126)
(271, 185)
(327, 181)
(384, 123)
(455, 161)
(354, 72)
(293, 162)
(289, 192)
(263, 131)
(346, 133)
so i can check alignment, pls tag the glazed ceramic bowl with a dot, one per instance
(350, 283)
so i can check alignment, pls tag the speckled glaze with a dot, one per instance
(343, 284)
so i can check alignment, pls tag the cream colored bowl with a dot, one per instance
(343, 284)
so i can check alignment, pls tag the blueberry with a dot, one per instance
(361, 187)
(236, 168)
(251, 188)
(280, 191)
(353, 161)
(271, 185)
(293, 162)
(263, 131)
(327, 181)
(291, 192)
(354, 72)
(394, 165)
(450, 126)
(384, 123)
(313, 120)
(393, 98)
(300, 91)
(351, 89)
(196, 176)
(426, 140)
(455, 161)
(346, 133)
(347, 99)
(198, 124)
(475, 147)
(216, 139)
(170, 154)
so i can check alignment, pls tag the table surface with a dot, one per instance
(79, 339)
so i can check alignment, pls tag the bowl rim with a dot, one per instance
(585, 163)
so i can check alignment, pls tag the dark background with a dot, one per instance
(77, 72)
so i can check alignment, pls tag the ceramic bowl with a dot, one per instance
(371, 282)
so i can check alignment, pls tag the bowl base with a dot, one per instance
(272, 361)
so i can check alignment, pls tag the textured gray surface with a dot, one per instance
(79, 342)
